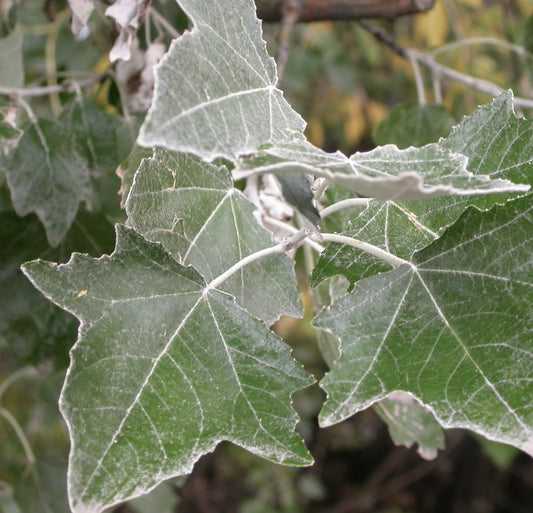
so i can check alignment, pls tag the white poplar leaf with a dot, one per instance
(81, 11)
(163, 370)
(215, 89)
(129, 15)
(452, 328)
(193, 210)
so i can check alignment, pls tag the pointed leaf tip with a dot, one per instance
(237, 108)
(453, 330)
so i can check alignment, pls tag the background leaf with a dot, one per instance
(43, 488)
(93, 133)
(215, 93)
(162, 372)
(58, 165)
(411, 423)
(412, 124)
(34, 329)
(48, 177)
(162, 499)
(192, 208)
(11, 59)
(453, 329)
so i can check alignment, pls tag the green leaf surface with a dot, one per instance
(497, 144)
(162, 371)
(411, 423)
(388, 225)
(58, 165)
(296, 190)
(193, 210)
(48, 177)
(7, 130)
(215, 92)
(94, 136)
(412, 124)
(93, 133)
(126, 170)
(453, 329)
(33, 328)
(11, 59)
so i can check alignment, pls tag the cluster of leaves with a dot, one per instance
(174, 351)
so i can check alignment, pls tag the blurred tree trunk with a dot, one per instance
(315, 10)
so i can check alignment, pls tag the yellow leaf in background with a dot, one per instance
(432, 28)
(103, 64)
(101, 97)
(101, 90)
(315, 132)
(472, 3)
(375, 113)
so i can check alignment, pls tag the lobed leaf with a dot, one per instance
(193, 210)
(497, 144)
(453, 328)
(48, 177)
(215, 90)
(163, 370)
(58, 165)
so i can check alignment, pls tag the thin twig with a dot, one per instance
(293, 230)
(418, 80)
(67, 86)
(290, 15)
(520, 50)
(347, 203)
(437, 88)
(50, 59)
(286, 245)
(478, 84)
(20, 434)
(163, 22)
(439, 70)
(21, 373)
(384, 37)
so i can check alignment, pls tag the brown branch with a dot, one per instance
(290, 14)
(320, 10)
(439, 70)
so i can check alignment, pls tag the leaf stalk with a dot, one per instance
(366, 247)
(285, 245)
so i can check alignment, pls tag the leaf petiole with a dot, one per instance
(287, 244)
(347, 203)
(291, 229)
(365, 246)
